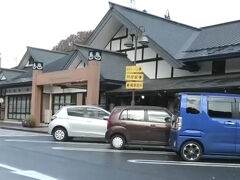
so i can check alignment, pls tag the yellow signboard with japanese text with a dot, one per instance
(134, 77)
(133, 69)
(134, 85)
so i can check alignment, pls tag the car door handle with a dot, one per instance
(229, 123)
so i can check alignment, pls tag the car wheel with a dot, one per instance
(118, 141)
(191, 151)
(60, 134)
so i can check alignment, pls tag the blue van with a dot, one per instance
(206, 124)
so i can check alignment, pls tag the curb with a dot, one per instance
(25, 130)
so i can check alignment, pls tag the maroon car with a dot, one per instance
(147, 125)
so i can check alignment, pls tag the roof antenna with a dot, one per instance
(167, 15)
(133, 4)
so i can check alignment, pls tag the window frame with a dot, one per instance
(200, 104)
(17, 112)
(230, 100)
(144, 115)
(158, 110)
(73, 101)
(78, 108)
(99, 110)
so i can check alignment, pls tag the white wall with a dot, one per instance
(164, 69)
(130, 54)
(232, 65)
(149, 53)
(121, 32)
(149, 69)
(116, 45)
(205, 69)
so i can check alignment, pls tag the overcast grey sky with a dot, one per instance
(43, 23)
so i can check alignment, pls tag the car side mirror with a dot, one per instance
(105, 117)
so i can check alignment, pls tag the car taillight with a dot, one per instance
(109, 122)
(179, 123)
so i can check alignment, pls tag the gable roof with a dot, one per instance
(11, 76)
(41, 55)
(52, 61)
(177, 42)
(62, 63)
(222, 39)
(112, 64)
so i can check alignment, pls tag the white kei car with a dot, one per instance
(78, 121)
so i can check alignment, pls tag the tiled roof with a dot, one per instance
(112, 65)
(45, 56)
(177, 42)
(215, 40)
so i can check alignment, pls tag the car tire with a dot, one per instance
(60, 134)
(191, 151)
(118, 141)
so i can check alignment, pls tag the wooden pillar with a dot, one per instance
(93, 84)
(36, 98)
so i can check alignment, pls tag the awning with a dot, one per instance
(188, 83)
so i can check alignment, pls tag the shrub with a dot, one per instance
(28, 122)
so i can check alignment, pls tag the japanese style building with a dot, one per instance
(177, 58)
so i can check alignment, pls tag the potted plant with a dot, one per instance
(29, 122)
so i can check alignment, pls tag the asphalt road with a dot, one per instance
(29, 156)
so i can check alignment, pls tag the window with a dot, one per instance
(60, 100)
(218, 67)
(78, 112)
(220, 107)
(158, 116)
(134, 115)
(193, 104)
(19, 107)
(95, 113)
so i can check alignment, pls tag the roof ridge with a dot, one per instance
(47, 50)
(220, 24)
(155, 16)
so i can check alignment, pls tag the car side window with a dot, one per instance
(220, 108)
(77, 112)
(158, 116)
(193, 104)
(133, 115)
(95, 113)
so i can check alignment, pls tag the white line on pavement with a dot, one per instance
(27, 173)
(23, 135)
(180, 163)
(51, 142)
(104, 145)
(113, 151)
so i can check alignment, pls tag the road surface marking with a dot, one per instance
(180, 163)
(113, 150)
(52, 142)
(7, 132)
(22, 135)
(90, 149)
(28, 173)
